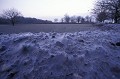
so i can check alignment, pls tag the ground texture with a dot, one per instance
(36, 28)
(79, 55)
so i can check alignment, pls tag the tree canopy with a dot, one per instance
(110, 7)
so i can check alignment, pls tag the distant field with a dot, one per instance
(35, 28)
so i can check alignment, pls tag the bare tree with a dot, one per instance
(67, 18)
(78, 19)
(112, 7)
(83, 20)
(11, 14)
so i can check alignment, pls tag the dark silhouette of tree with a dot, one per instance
(112, 7)
(12, 15)
(67, 18)
(78, 19)
(102, 16)
(82, 20)
(62, 20)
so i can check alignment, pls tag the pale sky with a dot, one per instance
(49, 9)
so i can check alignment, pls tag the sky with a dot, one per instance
(49, 9)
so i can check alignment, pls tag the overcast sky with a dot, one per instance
(49, 9)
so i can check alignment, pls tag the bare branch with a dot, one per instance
(11, 14)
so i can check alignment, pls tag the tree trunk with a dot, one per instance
(12, 21)
(116, 19)
(116, 15)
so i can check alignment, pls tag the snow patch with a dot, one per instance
(79, 55)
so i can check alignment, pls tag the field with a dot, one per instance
(91, 53)
(35, 28)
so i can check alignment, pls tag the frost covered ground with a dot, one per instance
(80, 55)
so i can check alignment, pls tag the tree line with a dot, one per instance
(107, 10)
(75, 19)
(104, 10)
(13, 16)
